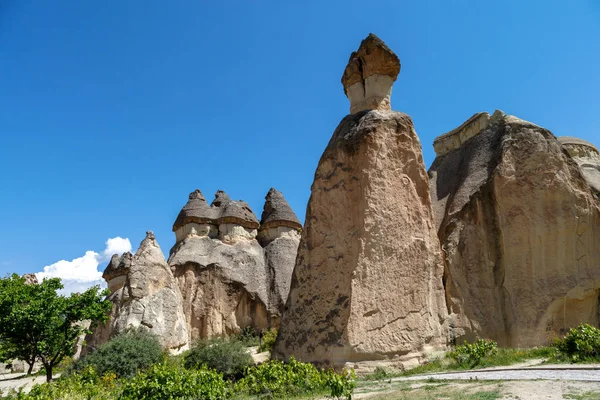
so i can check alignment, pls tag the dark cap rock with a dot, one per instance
(277, 212)
(195, 210)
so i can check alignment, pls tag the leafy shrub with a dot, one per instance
(277, 379)
(470, 354)
(248, 336)
(580, 344)
(125, 355)
(268, 340)
(379, 373)
(167, 382)
(341, 385)
(226, 356)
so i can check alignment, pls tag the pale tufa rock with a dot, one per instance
(367, 285)
(520, 229)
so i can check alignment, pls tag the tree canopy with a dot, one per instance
(38, 323)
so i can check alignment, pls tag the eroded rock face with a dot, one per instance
(279, 233)
(367, 286)
(520, 229)
(144, 293)
(224, 286)
(233, 280)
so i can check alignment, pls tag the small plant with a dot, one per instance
(470, 354)
(229, 357)
(125, 355)
(163, 381)
(580, 344)
(268, 340)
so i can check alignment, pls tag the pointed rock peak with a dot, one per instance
(195, 210)
(221, 198)
(197, 195)
(149, 240)
(370, 74)
(277, 212)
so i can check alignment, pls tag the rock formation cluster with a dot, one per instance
(500, 239)
(520, 228)
(226, 272)
(367, 285)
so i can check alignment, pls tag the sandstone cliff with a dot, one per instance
(367, 285)
(520, 229)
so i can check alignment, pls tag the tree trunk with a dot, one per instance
(30, 367)
(48, 372)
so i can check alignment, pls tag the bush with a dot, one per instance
(248, 336)
(277, 379)
(228, 357)
(268, 340)
(125, 355)
(167, 382)
(580, 344)
(470, 354)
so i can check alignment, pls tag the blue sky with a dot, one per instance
(112, 112)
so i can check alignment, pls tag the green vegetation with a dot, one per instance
(37, 323)
(125, 355)
(249, 337)
(276, 379)
(169, 382)
(132, 366)
(581, 344)
(462, 358)
(227, 356)
(268, 340)
(470, 354)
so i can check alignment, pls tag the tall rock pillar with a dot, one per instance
(367, 285)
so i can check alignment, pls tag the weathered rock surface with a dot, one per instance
(520, 229)
(367, 285)
(144, 294)
(587, 157)
(279, 233)
(227, 279)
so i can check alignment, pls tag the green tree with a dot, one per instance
(37, 323)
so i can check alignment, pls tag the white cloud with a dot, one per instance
(116, 245)
(81, 273)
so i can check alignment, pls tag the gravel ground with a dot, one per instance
(590, 373)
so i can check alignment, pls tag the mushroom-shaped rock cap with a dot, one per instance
(233, 212)
(117, 266)
(277, 212)
(370, 74)
(195, 210)
(570, 140)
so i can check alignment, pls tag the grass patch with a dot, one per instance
(435, 392)
(502, 358)
(583, 396)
